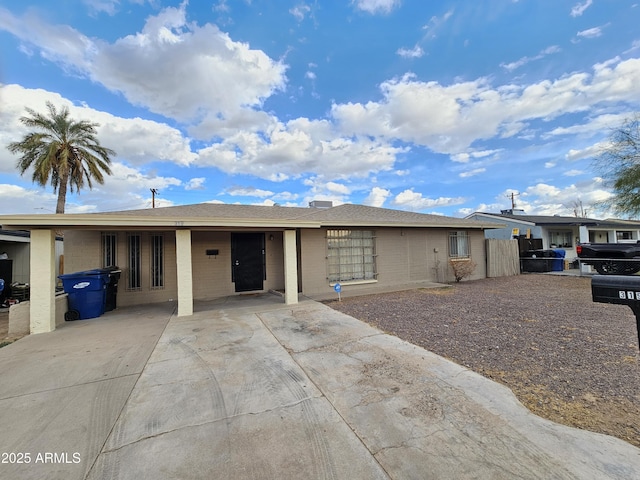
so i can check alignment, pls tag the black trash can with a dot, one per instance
(111, 283)
(536, 261)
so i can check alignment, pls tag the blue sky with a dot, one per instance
(441, 107)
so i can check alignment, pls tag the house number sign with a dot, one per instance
(628, 295)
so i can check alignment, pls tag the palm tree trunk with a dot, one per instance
(62, 193)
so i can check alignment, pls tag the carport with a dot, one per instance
(84, 256)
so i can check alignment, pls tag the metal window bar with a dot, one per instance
(134, 262)
(351, 255)
(109, 249)
(157, 261)
(458, 244)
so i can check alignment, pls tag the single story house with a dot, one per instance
(556, 231)
(206, 251)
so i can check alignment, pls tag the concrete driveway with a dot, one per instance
(250, 388)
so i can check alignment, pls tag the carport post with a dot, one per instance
(290, 268)
(184, 273)
(42, 277)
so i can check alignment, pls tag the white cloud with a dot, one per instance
(591, 151)
(635, 45)
(248, 192)
(300, 11)
(321, 189)
(299, 147)
(606, 122)
(195, 184)
(202, 73)
(128, 188)
(31, 200)
(544, 199)
(135, 140)
(110, 7)
(579, 8)
(461, 157)
(472, 173)
(435, 24)
(376, 6)
(573, 173)
(448, 119)
(590, 33)
(377, 197)
(415, 201)
(524, 60)
(415, 52)
(465, 157)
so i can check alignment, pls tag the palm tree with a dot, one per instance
(63, 150)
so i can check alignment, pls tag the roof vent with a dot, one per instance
(321, 204)
(512, 211)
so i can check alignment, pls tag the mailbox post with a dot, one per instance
(619, 289)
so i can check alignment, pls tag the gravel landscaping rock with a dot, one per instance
(566, 358)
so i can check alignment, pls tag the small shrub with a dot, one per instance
(462, 268)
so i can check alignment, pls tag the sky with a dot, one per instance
(443, 107)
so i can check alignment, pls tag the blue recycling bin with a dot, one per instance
(86, 294)
(557, 263)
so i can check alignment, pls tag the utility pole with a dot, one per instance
(513, 199)
(153, 197)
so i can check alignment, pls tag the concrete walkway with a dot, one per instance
(250, 388)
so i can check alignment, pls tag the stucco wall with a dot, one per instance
(403, 256)
(211, 274)
(20, 316)
(83, 251)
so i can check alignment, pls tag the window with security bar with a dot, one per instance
(459, 244)
(157, 261)
(133, 262)
(109, 249)
(351, 255)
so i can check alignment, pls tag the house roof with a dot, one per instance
(557, 220)
(210, 215)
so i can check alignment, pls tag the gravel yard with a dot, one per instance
(566, 358)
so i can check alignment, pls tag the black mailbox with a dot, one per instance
(620, 289)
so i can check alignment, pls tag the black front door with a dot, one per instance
(247, 261)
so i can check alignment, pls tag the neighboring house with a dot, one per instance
(15, 247)
(559, 232)
(206, 251)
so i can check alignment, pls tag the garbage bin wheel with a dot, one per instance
(72, 315)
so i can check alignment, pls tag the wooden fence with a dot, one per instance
(503, 257)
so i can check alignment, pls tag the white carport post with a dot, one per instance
(583, 234)
(42, 302)
(290, 268)
(184, 273)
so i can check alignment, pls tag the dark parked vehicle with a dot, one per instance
(611, 258)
